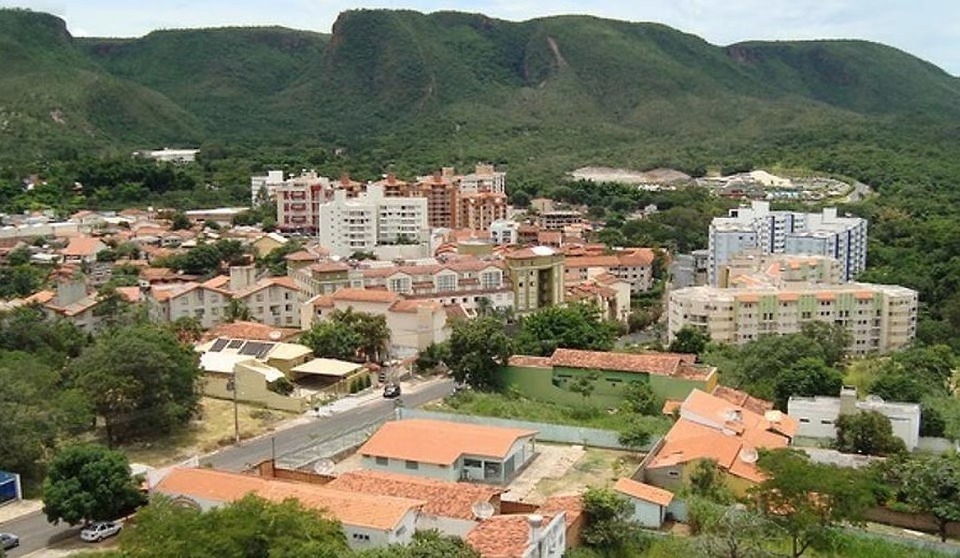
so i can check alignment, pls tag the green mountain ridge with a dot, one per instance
(457, 85)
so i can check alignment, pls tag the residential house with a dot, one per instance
(414, 324)
(670, 375)
(608, 293)
(711, 427)
(268, 243)
(368, 521)
(82, 250)
(817, 416)
(650, 506)
(520, 536)
(449, 451)
(633, 265)
(272, 300)
(451, 507)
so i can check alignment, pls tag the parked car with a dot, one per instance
(96, 532)
(9, 540)
(391, 391)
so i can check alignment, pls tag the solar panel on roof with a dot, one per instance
(254, 348)
(235, 344)
(218, 345)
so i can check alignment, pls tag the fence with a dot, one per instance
(330, 449)
(9, 487)
(559, 433)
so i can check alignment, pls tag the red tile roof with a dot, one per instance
(444, 499)
(377, 512)
(526, 361)
(644, 492)
(661, 364)
(83, 246)
(502, 536)
(348, 294)
(572, 506)
(439, 442)
(742, 399)
(252, 331)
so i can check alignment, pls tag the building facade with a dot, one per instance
(757, 228)
(880, 318)
(537, 276)
(370, 220)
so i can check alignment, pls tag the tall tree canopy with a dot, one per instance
(478, 348)
(577, 326)
(142, 380)
(90, 483)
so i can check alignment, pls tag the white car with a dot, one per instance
(96, 532)
(8, 541)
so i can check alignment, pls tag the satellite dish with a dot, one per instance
(323, 467)
(773, 416)
(749, 455)
(482, 509)
(874, 399)
(275, 335)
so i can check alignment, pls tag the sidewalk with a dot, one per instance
(18, 509)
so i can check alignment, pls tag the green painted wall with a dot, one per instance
(549, 384)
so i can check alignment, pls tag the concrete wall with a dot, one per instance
(546, 432)
(426, 470)
(252, 388)
(360, 538)
(446, 525)
(647, 514)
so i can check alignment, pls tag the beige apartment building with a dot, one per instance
(537, 276)
(881, 318)
(461, 282)
(633, 265)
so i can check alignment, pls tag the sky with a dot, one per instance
(929, 29)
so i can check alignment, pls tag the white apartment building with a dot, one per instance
(263, 189)
(503, 232)
(348, 225)
(881, 318)
(756, 228)
(817, 416)
(484, 179)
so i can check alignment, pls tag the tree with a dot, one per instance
(371, 329)
(478, 348)
(585, 384)
(607, 520)
(726, 531)
(112, 307)
(89, 483)
(237, 311)
(931, 484)
(248, 528)
(834, 339)
(634, 434)
(141, 379)
(426, 544)
(806, 500)
(433, 356)
(179, 221)
(806, 377)
(330, 339)
(690, 340)
(638, 397)
(577, 326)
(867, 432)
(188, 329)
(706, 481)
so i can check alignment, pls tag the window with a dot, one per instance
(446, 282)
(400, 285)
(412, 465)
(360, 537)
(805, 421)
(490, 280)
(474, 463)
(826, 421)
(673, 474)
(383, 460)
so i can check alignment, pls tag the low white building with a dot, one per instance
(817, 416)
(368, 521)
(650, 505)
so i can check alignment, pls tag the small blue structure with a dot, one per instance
(10, 487)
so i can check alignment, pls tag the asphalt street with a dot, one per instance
(36, 533)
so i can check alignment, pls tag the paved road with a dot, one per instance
(321, 430)
(36, 533)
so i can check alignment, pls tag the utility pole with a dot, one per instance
(232, 386)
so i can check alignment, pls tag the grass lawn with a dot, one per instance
(516, 407)
(597, 468)
(212, 430)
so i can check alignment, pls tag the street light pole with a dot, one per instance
(232, 386)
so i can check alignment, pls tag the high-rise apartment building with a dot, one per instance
(756, 228)
(348, 225)
(537, 276)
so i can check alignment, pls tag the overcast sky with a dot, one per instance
(929, 29)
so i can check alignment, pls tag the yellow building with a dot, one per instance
(537, 278)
